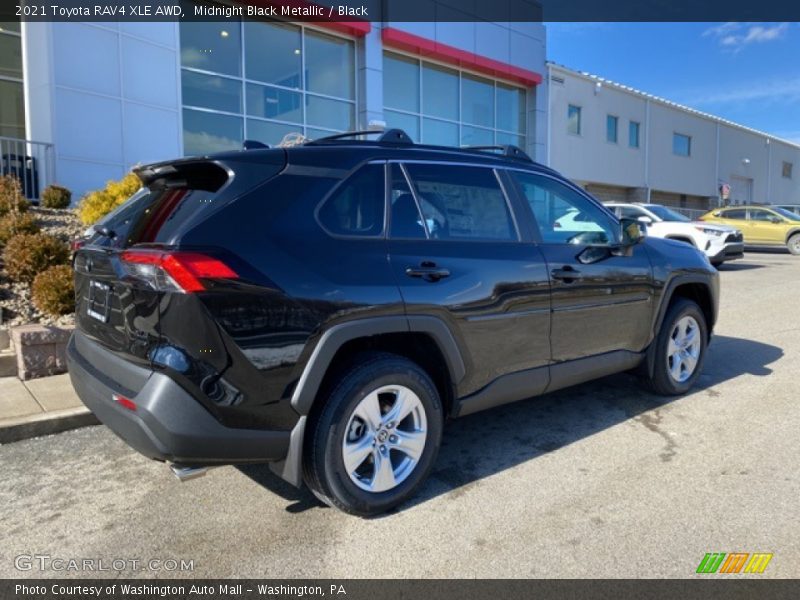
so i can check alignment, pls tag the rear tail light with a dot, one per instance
(175, 271)
(76, 244)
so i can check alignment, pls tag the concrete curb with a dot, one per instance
(30, 426)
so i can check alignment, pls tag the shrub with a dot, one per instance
(56, 196)
(11, 198)
(99, 203)
(53, 291)
(15, 223)
(28, 254)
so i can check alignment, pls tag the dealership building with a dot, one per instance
(81, 103)
(625, 145)
(98, 98)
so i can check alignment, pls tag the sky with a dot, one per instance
(746, 72)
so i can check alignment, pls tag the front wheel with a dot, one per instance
(794, 244)
(680, 349)
(376, 437)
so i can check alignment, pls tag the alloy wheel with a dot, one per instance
(384, 438)
(683, 349)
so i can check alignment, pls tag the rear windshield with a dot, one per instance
(153, 215)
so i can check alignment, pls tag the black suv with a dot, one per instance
(326, 307)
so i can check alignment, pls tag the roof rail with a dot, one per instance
(505, 149)
(396, 136)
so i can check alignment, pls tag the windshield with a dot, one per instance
(786, 213)
(665, 214)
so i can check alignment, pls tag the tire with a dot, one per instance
(347, 420)
(793, 244)
(667, 379)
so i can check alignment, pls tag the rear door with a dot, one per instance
(599, 306)
(458, 253)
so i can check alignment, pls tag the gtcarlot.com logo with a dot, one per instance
(734, 562)
(46, 562)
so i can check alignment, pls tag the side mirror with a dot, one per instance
(776, 220)
(632, 232)
(645, 220)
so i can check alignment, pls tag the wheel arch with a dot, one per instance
(792, 233)
(681, 238)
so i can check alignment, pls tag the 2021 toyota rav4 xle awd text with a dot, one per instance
(326, 307)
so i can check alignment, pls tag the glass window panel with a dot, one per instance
(474, 136)
(510, 108)
(439, 133)
(273, 53)
(330, 65)
(633, 134)
(510, 138)
(477, 101)
(462, 202)
(210, 91)
(406, 220)
(611, 128)
(10, 56)
(401, 83)
(9, 26)
(574, 119)
(334, 114)
(562, 214)
(205, 133)
(270, 133)
(439, 92)
(12, 110)
(211, 46)
(274, 103)
(681, 144)
(357, 207)
(408, 123)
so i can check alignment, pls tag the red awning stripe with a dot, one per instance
(408, 42)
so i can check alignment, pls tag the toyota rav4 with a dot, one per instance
(327, 307)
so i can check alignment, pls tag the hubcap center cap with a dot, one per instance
(382, 435)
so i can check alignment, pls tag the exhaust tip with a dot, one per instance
(186, 473)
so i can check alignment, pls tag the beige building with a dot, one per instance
(623, 144)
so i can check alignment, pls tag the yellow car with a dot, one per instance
(761, 225)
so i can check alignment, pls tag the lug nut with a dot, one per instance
(393, 439)
(383, 449)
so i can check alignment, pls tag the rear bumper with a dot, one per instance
(168, 424)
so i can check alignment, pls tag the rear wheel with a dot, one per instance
(794, 244)
(377, 436)
(680, 349)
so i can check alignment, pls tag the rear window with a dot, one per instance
(155, 214)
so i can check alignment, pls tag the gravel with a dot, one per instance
(16, 307)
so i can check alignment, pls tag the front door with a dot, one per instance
(765, 227)
(601, 305)
(456, 253)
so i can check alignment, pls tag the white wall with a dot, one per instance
(590, 158)
(106, 94)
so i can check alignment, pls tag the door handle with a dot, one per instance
(566, 274)
(428, 271)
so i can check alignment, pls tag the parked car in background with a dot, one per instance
(793, 208)
(767, 226)
(720, 243)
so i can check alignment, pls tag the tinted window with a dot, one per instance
(406, 220)
(761, 215)
(563, 215)
(736, 213)
(357, 206)
(630, 212)
(462, 203)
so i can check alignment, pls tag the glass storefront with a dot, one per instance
(444, 106)
(12, 95)
(261, 81)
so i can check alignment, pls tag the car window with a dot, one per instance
(462, 203)
(563, 215)
(756, 214)
(357, 206)
(736, 213)
(406, 220)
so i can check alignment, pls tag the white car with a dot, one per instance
(720, 243)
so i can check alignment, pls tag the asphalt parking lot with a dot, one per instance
(601, 480)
